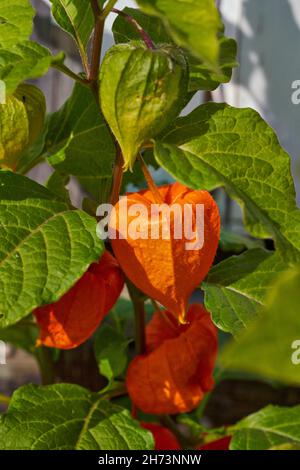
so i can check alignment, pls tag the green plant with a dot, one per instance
(122, 116)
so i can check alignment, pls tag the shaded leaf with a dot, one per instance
(269, 346)
(78, 143)
(231, 242)
(110, 348)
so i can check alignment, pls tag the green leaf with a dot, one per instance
(24, 61)
(78, 143)
(15, 22)
(193, 24)
(21, 123)
(57, 185)
(270, 427)
(76, 18)
(218, 145)
(45, 246)
(68, 417)
(110, 348)
(267, 348)
(201, 77)
(236, 288)
(231, 242)
(141, 93)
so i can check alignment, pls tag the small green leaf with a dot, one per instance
(236, 288)
(21, 122)
(76, 18)
(68, 417)
(272, 426)
(141, 92)
(193, 24)
(78, 143)
(24, 61)
(111, 352)
(267, 347)
(45, 246)
(15, 22)
(217, 145)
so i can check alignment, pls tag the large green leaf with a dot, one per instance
(267, 347)
(78, 142)
(75, 17)
(15, 22)
(45, 246)
(68, 417)
(24, 61)
(218, 145)
(193, 24)
(141, 92)
(236, 288)
(269, 428)
(201, 76)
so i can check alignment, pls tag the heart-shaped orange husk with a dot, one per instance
(74, 318)
(163, 269)
(176, 371)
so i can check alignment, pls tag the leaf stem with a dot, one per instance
(140, 318)
(144, 35)
(150, 182)
(64, 69)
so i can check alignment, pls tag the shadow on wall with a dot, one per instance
(268, 35)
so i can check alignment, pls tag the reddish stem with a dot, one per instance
(144, 35)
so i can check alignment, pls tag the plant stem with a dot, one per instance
(144, 35)
(117, 176)
(150, 182)
(140, 318)
(97, 45)
(45, 362)
(64, 69)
